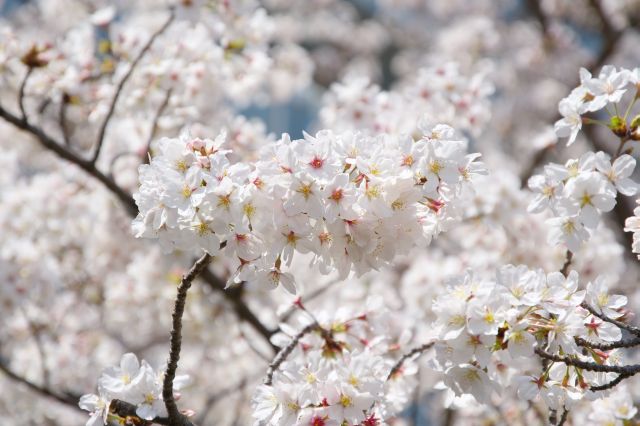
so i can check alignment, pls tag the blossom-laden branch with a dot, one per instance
(120, 86)
(238, 305)
(175, 417)
(610, 40)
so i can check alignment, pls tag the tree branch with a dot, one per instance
(631, 329)
(66, 154)
(62, 119)
(398, 365)
(286, 351)
(234, 295)
(611, 384)
(119, 87)
(563, 417)
(589, 366)
(630, 343)
(175, 417)
(154, 126)
(567, 263)
(21, 93)
(68, 399)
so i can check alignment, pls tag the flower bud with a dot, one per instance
(618, 126)
(634, 128)
(33, 59)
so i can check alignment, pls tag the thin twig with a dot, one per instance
(631, 329)
(564, 417)
(611, 384)
(223, 393)
(630, 343)
(398, 365)
(286, 351)
(119, 87)
(21, 93)
(67, 399)
(175, 418)
(536, 9)
(234, 295)
(66, 154)
(37, 337)
(154, 126)
(62, 119)
(567, 263)
(314, 294)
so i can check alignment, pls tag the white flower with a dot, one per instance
(619, 173)
(568, 231)
(468, 379)
(598, 298)
(609, 86)
(588, 195)
(120, 380)
(570, 123)
(98, 406)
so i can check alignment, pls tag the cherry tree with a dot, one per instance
(450, 239)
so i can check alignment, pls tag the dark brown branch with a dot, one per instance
(234, 295)
(23, 111)
(630, 343)
(175, 417)
(611, 384)
(567, 263)
(154, 126)
(536, 9)
(631, 329)
(564, 417)
(120, 86)
(589, 366)
(286, 351)
(66, 154)
(62, 119)
(398, 365)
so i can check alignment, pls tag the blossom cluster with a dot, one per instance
(595, 94)
(324, 390)
(353, 201)
(488, 332)
(578, 192)
(133, 382)
(339, 373)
